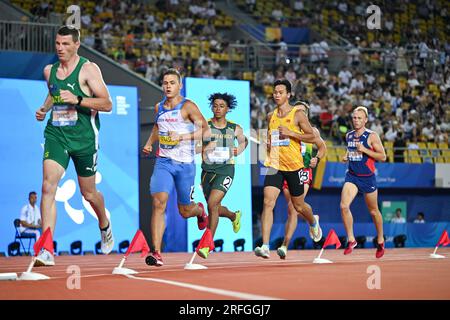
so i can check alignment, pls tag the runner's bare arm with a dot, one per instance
(242, 141)
(378, 152)
(321, 146)
(267, 140)
(48, 103)
(303, 123)
(154, 136)
(102, 99)
(202, 131)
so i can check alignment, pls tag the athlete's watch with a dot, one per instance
(80, 98)
(318, 159)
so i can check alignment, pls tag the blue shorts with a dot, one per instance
(364, 184)
(168, 173)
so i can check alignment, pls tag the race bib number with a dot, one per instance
(303, 176)
(355, 156)
(227, 182)
(276, 141)
(219, 155)
(165, 142)
(64, 115)
(191, 194)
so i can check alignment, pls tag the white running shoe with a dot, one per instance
(263, 252)
(282, 252)
(316, 232)
(107, 239)
(44, 259)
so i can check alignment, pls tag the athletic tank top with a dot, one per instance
(284, 153)
(360, 164)
(172, 120)
(77, 126)
(307, 151)
(221, 160)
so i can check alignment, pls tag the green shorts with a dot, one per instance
(211, 181)
(85, 161)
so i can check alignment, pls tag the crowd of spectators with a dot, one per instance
(404, 85)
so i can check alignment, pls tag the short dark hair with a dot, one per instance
(31, 193)
(70, 31)
(228, 98)
(174, 72)
(283, 82)
(421, 214)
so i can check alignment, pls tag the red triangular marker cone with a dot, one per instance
(331, 239)
(138, 244)
(45, 241)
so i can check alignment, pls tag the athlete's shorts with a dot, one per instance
(306, 176)
(168, 173)
(85, 161)
(213, 181)
(365, 184)
(294, 180)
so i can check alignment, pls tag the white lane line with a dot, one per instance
(228, 293)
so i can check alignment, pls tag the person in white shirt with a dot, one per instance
(420, 218)
(30, 216)
(398, 217)
(345, 76)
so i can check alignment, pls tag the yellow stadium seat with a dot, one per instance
(446, 153)
(413, 153)
(329, 143)
(447, 159)
(422, 145)
(432, 145)
(388, 144)
(439, 160)
(332, 158)
(341, 151)
(268, 90)
(248, 76)
(443, 145)
(415, 159)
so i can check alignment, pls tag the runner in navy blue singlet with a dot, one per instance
(364, 147)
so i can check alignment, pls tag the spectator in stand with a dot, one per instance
(420, 218)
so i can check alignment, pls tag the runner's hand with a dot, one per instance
(345, 158)
(147, 150)
(174, 136)
(284, 132)
(40, 114)
(313, 162)
(68, 97)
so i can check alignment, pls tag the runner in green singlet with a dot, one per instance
(310, 160)
(77, 93)
(218, 162)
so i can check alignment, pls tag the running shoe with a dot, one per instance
(237, 222)
(316, 232)
(202, 221)
(107, 239)
(350, 247)
(154, 259)
(380, 250)
(282, 252)
(44, 259)
(203, 252)
(263, 252)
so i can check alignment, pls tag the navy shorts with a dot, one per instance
(168, 173)
(364, 184)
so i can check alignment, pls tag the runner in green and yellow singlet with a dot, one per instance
(77, 93)
(218, 162)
